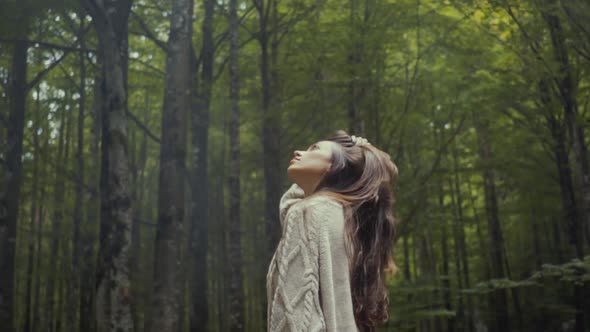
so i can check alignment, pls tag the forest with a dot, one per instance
(144, 147)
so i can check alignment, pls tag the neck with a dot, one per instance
(308, 187)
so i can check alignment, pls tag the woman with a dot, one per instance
(328, 270)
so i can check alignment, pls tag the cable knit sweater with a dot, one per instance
(308, 282)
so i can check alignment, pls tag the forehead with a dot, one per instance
(325, 145)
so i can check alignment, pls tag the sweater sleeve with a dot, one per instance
(334, 277)
(293, 195)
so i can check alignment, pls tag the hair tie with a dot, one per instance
(359, 141)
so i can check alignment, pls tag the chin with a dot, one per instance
(291, 173)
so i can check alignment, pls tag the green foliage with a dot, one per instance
(420, 71)
(576, 272)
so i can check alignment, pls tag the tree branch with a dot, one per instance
(143, 127)
(157, 70)
(64, 48)
(148, 33)
(44, 72)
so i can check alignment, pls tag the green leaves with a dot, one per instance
(575, 271)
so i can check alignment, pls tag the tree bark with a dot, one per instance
(567, 94)
(270, 128)
(566, 186)
(199, 176)
(33, 226)
(446, 281)
(499, 296)
(74, 286)
(38, 311)
(459, 267)
(571, 213)
(58, 206)
(171, 201)
(138, 169)
(235, 256)
(9, 197)
(87, 291)
(462, 246)
(110, 22)
(356, 89)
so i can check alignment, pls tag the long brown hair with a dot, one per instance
(362, 178)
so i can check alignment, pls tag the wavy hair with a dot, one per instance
(362, 178)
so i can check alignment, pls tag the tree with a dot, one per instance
(9, 201)
(199, 173)
(566, 92)
(496, 238)
(177, 100)
(235, 251)
(114, 303)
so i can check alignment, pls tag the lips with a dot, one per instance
(293, 160)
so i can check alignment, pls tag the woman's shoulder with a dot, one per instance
(322, 209)
(318, 207)
(320, 202)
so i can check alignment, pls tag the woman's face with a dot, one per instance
(309, 166)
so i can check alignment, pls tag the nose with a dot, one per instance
(297, 153)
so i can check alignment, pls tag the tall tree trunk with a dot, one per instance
(37, 313)
(199, 177)
(499, 296)
(87, 290)
(74, 286)
(462, 247)
(457, 253)
(446, 280)
(223, 216)
(568, 198)
(56, 222)
(9, 197)
(65, 277)
(235, 251)
(34, 226)
(480, 238)
(356, 88)
(135, 224)
(177, 100)
(139, 198)
(110, 22)
(270, 127)
(567, 94)
(567, 190)
(30, 257)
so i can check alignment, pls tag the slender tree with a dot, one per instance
(177, 100)
(199, 174)
(9, 197)
(236, 295)
(74, 286)
(567, 87)
(496, 238)
(112, 280)
(270, 119)
(56, 224)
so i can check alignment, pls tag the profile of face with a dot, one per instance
(308, 167)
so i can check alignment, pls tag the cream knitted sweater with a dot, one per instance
(308, 282)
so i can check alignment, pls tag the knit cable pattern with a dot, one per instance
(293, 279)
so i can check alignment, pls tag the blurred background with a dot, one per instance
(144, 148)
